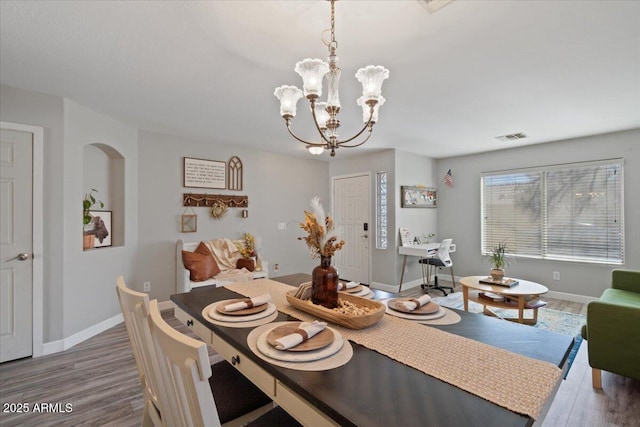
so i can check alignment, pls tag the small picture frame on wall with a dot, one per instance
(189, 223)
(418, 197)
(101, 228)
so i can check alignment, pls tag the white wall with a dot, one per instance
(459, 207)
(89, 276)
(279, 188)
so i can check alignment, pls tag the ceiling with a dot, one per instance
(459, 77)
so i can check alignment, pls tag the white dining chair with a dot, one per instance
(135, 310)
(240, 401)
(441, 259)
(185, 369)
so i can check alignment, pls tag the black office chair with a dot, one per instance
(441, 259)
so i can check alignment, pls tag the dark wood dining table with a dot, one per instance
(373, 389)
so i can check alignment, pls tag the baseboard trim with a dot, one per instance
(66, 343)
(408, 285)
(570, 297)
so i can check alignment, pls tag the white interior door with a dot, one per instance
(351, 209)
(16, 241)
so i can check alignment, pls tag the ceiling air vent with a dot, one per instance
(433, 6)
(512, 137)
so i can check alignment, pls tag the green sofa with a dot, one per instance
(613, 328)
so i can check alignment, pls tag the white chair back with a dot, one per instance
(135, 310)
(443, 252)
(185, 369)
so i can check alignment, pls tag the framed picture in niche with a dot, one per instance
(418, 197)
(101, 228)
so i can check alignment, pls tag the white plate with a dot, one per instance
(440, 313)
(307, 356)
(210, 312)
(363, 293)
(368, 295)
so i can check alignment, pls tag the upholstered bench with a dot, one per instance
(224, 273)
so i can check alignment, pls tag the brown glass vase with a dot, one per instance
(324, 284)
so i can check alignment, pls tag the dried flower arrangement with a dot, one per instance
(248, 249)
(322, 238)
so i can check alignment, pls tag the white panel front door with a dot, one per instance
(16, 282)
(351, 212)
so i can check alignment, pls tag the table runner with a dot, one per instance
(518, 383)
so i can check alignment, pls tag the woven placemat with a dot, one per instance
(334, 361)
(513, 381)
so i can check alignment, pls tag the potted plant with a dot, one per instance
(88, 227)
(498, 261)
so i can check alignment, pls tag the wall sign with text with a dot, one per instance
(202, 173)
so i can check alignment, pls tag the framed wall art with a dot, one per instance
(101, 228)
(418, 197)
(200, 173)
(189, 221)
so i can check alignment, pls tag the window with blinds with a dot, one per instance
(567, 212)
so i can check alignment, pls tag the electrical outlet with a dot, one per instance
(282, 226)
(146, 286)
(556, 275)
(276, 268)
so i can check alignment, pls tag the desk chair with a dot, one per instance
(186, 373)
(441, 259)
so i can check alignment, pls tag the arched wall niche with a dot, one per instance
(103, 169)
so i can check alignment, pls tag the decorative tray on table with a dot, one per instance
(373, 310)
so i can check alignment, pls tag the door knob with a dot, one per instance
(21, 257)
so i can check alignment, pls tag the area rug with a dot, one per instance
(549, 319)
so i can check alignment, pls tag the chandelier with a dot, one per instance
(325, 114)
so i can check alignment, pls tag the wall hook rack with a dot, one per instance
(208, 200)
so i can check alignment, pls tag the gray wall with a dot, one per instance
(78, 286)
(36, 109)
(279, 188)
(89, 276)
(459, 207)
(412, 170)
(403, 168)
(381, 259)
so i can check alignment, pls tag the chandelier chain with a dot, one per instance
(333, 45)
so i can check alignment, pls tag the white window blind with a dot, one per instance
(565, 212)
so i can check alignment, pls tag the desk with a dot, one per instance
(372, 389)
(423, 250)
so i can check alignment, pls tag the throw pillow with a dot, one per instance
(200, 263)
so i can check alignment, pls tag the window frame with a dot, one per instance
(554, 254)
(382, 201)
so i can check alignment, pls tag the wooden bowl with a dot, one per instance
(351, 322)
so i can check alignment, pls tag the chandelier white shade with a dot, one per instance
(325, 114)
